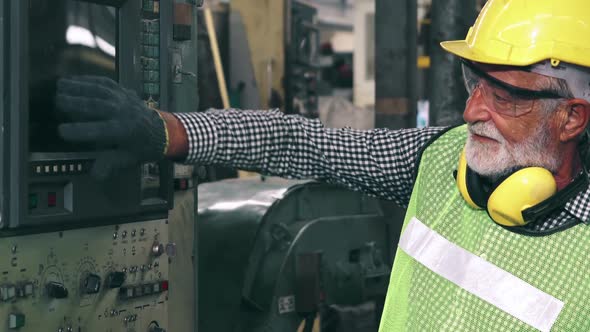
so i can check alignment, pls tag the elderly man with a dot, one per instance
(496, 236)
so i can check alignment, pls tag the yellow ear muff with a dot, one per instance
(462, 181)
(520, 191)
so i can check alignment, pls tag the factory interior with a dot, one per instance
(266, 221)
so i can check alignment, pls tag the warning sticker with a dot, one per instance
(286, 304)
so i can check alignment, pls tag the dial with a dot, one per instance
(53, 283)
(89, 280)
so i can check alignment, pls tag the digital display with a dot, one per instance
(66, 38)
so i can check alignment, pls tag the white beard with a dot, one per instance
(496, 159)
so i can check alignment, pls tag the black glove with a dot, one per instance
(103, 112)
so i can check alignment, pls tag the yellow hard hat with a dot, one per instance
(524, 32)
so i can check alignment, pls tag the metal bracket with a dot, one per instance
(177, 72)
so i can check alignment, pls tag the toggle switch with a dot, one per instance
(157, 249)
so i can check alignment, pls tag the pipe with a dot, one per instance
(395, 58)
(450, 21)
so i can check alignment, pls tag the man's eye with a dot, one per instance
(501, 98)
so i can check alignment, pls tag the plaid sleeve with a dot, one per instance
(379, 162)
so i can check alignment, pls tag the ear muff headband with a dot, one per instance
(521, 190)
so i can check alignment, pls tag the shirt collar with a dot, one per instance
(579, 205)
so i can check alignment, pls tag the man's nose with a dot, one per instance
(476, 109)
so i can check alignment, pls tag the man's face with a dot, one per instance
(500, 140)
(489, 153)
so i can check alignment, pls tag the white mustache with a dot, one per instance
(485, 129)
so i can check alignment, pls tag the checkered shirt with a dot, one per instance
(379, 162)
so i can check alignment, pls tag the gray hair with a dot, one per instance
(560, 86)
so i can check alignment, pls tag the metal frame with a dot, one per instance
(4, 23)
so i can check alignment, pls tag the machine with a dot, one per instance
(82, 255)
(277, 255)
(48, 178)
(78, 254)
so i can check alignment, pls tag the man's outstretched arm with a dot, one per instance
(379, 162)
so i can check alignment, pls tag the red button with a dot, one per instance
(51, 199)
(164, 285)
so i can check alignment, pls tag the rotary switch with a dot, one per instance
(56, 290)
(154, 327)
(91, 284)
(115, 279)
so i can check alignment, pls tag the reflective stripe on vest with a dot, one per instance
(479, 277)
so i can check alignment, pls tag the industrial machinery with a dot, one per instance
(82, 255)
(275, 253)
(79, 254)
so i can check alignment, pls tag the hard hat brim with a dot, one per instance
(462, 49)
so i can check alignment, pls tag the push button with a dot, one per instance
(33, 201)
(7, 293)
(51, 199)
(16, 321)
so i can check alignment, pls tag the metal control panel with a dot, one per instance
(104, 279)
(49, 179)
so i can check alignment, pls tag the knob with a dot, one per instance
(56, 290)
(157, 249)
(91, 284)
(115, 279)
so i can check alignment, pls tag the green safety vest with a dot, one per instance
(457, 270)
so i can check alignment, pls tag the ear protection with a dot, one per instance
(506, 199)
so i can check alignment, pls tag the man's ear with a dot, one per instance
(576, 118)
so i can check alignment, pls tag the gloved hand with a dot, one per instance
(104, 113)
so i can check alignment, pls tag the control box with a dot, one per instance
(105, 279)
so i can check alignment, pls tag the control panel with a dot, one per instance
(104, 279)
